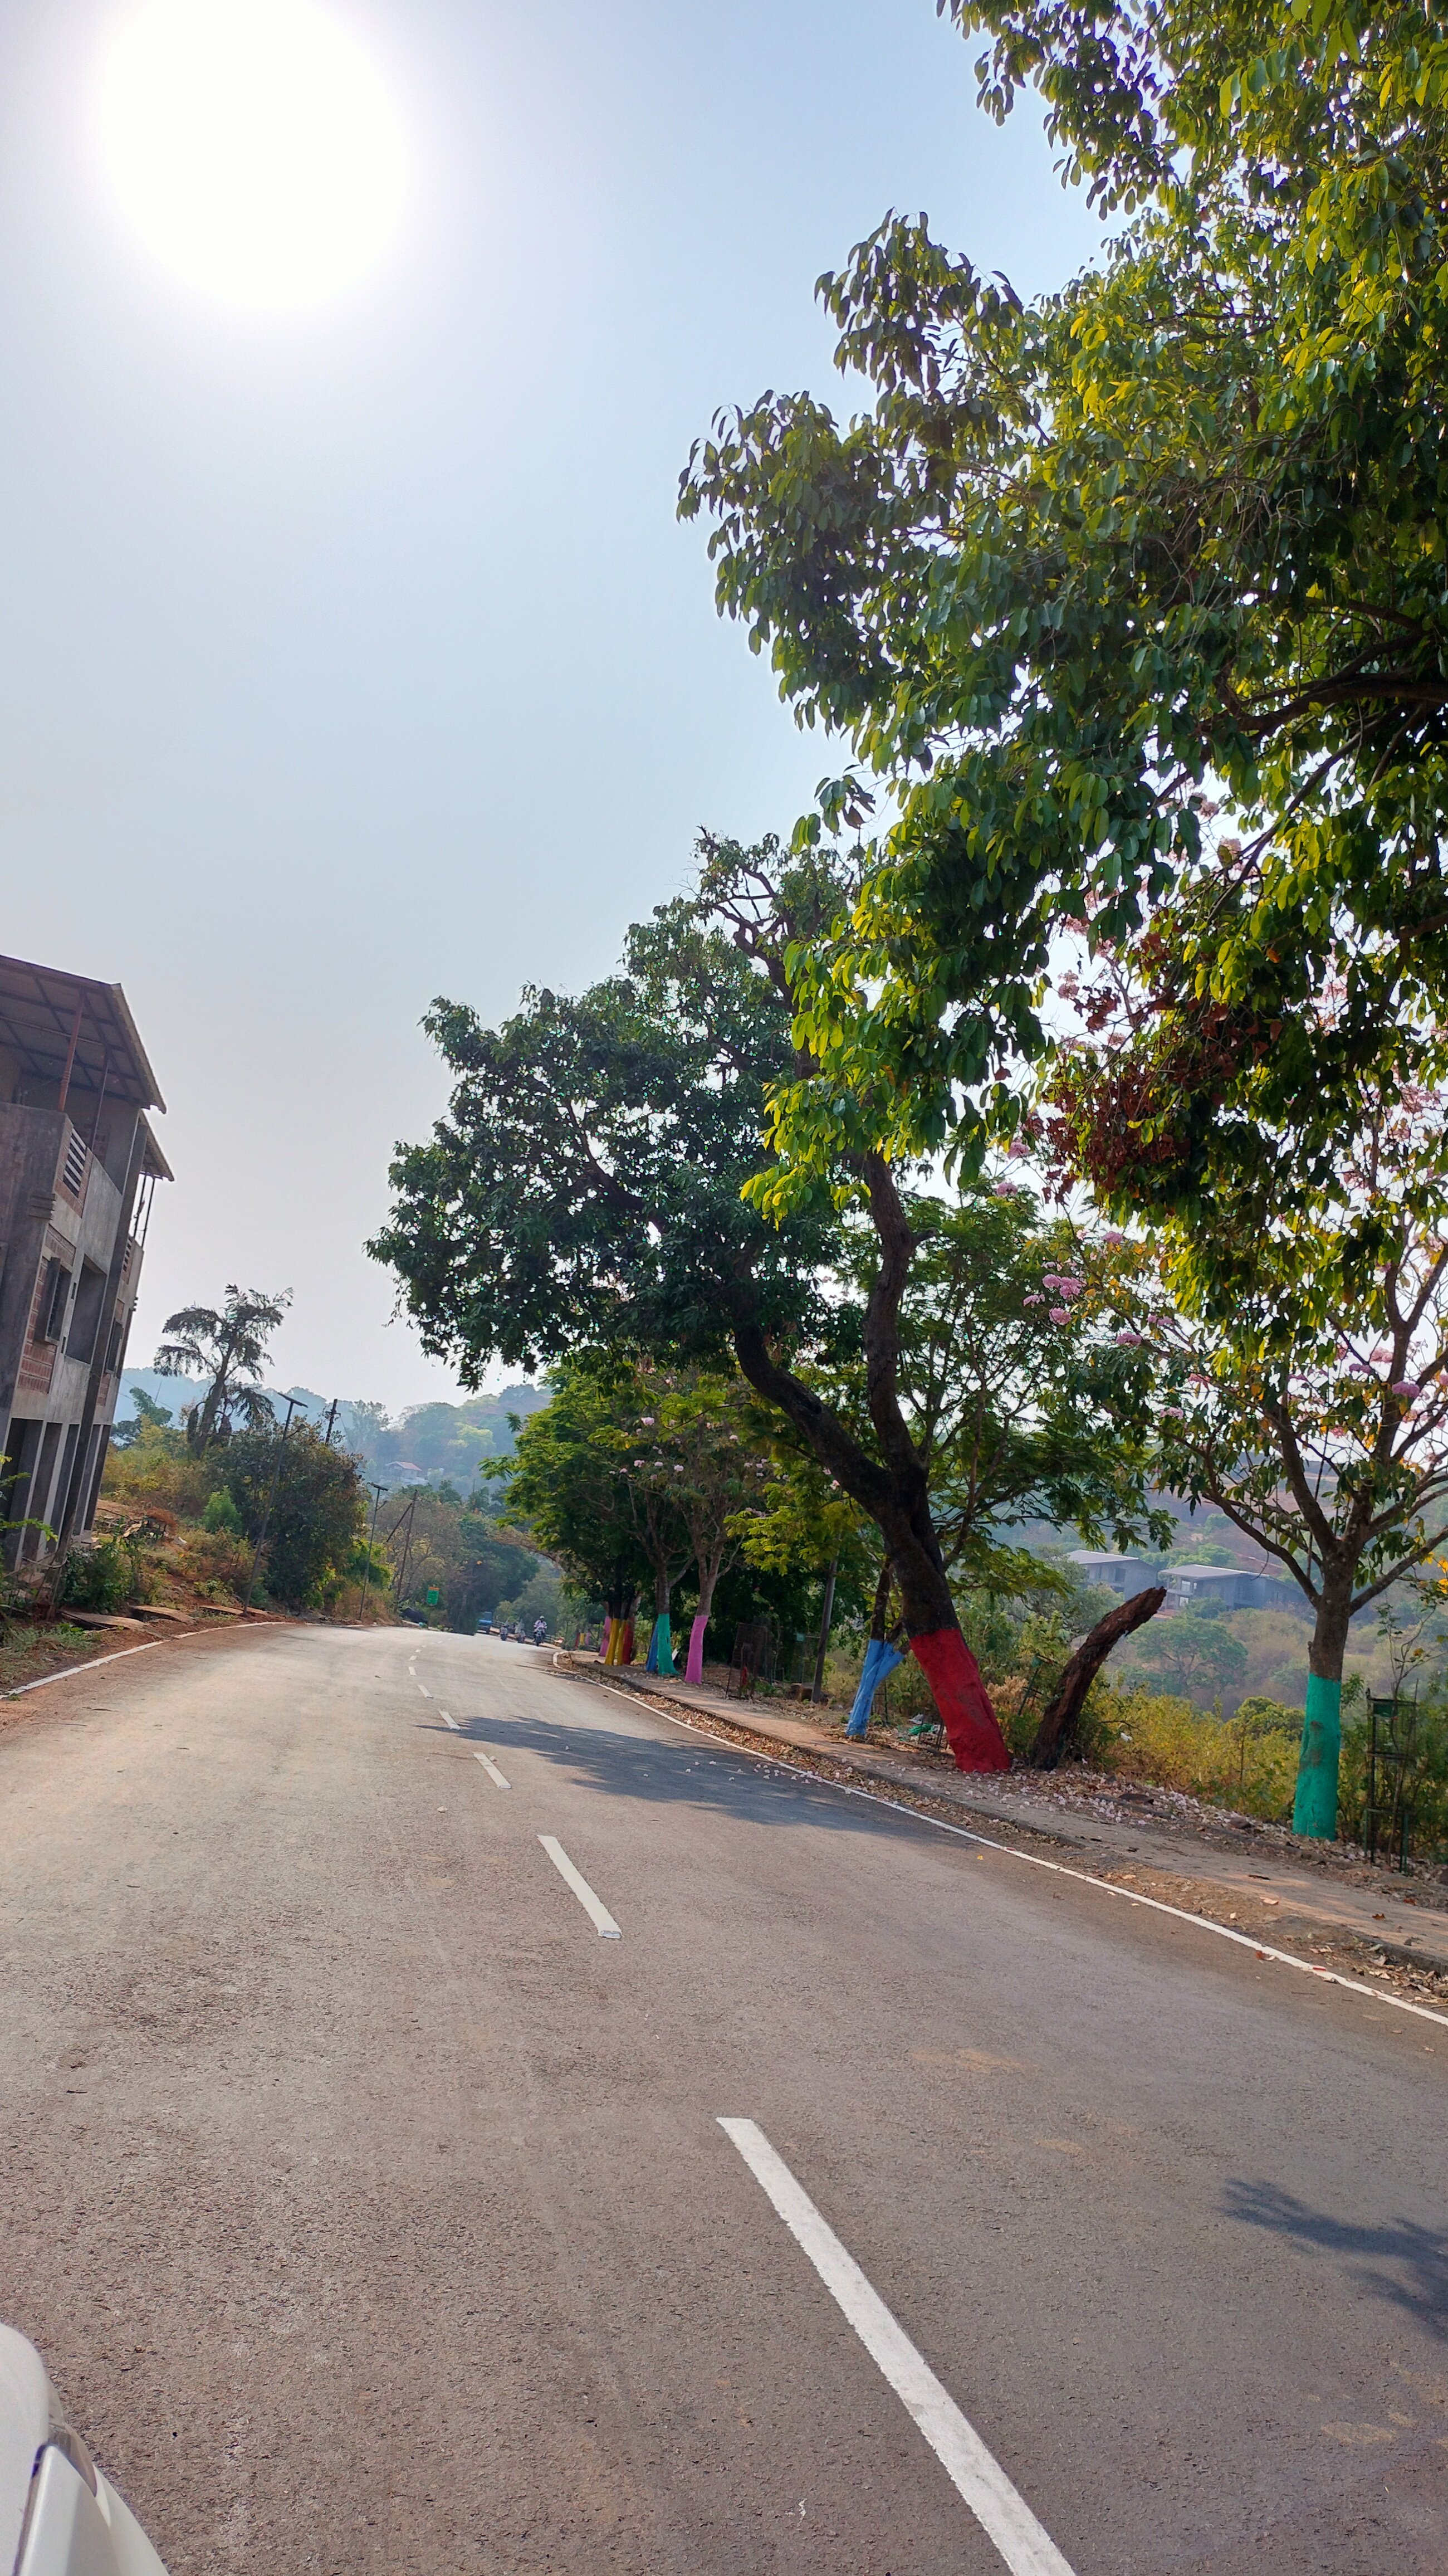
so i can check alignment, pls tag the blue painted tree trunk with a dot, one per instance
(880, 1661)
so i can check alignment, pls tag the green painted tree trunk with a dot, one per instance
(1314, 1806)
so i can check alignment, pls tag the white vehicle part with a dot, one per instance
(24, 2428)
(70, 2532)
(58, 2515)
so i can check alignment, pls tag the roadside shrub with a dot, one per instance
(106, 1573)
(216, 1565)
(222, 1515)
(318, 1510)
(1165, 1743)
(157, 1470)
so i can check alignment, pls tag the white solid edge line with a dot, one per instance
(593, 1906)
(1002, 2513)
(491, 1768)
(1060, 1868)
(94, 1666)
(70, 1672)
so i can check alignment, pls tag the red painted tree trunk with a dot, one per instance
(972, 1728)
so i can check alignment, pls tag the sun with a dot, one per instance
(251, 149)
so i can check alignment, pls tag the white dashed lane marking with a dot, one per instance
(593, 1906)
(494, 1774)
(1002, 2513)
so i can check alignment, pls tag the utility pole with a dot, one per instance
(377, 1491)
(331, 1420)
(293, 1404)
(411, 1515)
(817, 1694)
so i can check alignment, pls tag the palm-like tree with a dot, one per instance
(230, 1349)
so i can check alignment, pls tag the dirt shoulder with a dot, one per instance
(61, 1654)
(1323, 1904)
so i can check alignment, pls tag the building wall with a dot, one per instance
(60, 1212)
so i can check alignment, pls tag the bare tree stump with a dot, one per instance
(1054, 1731)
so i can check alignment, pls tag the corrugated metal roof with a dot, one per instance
(38, 1015)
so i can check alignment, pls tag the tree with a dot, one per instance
(1097, 567)
(587, 1191)
(591, 1187)
(147, 1416)
(1190, 1652)
(695, 1465)
(431, 1540)
(230, 1349)
(565, 1486)
(1062, 1712)
(1292, 1335)
(1319, 1428)
(318, 1520)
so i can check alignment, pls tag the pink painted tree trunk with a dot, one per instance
(694, 1668)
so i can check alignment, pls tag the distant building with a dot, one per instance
(1227, 1587)
(1127, 1575)
(78, 1170)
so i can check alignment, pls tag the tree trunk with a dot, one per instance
(660, 1656)
(818, 1690)
(694, 1665)
(894, 1492)
(1314, 1805)
(710, 1568)
(881, 1658)
(1059, 1718)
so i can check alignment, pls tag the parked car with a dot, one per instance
(59, 2516)
(415, 1618)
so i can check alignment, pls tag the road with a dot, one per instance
(373, 2212)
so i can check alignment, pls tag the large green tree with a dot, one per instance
(1136, 587)
(591, 1188)
(566, 1486)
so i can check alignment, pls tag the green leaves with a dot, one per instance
(1177, 532)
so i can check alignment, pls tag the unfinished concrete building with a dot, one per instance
(78, 1171)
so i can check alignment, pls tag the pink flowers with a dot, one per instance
(1129, 1341)
(1063, 1285)
(1005, 1190)
(1114, 1240)
(1059, 1314)
(1406, 1386)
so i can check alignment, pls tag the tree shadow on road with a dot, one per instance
(1399, 2260)
(686, 1773)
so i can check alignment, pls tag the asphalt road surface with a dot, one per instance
(372, 2208)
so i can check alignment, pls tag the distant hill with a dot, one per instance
(428, 1443)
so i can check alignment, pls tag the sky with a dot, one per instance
(353, 656)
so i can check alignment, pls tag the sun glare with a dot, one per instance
(250, 148)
